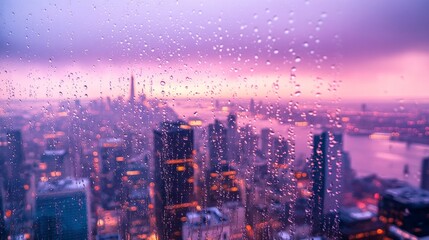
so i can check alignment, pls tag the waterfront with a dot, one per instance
(368, 156)
(386, 158)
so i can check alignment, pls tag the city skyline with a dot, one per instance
(189, 119)
(151, 176)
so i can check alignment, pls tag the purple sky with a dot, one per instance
(370, 49)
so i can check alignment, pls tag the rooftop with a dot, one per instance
(62, 185)
(111, 142)
(355, 214)
(409, 195)
(173, 126)
(54, 152)
(209, 217)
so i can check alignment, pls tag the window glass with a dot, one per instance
(214, 119)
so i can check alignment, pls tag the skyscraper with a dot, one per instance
(3, 235)
(132, 91)
(252, 108)
(220, 178)
(280, 152)
(62, 210)
(12, 151)
(113, 167)
(217, 140)
(232, 137)
(326, 158)
(267, 135)
(174, 177)
(425, 174)
(12, 159)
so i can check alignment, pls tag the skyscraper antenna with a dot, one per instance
(132, 96)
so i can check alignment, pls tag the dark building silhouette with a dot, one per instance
(3, 234)
(222, 185)
(232, 137)
(217, 143)
(221, 178)
(280, 152)
(11, 149)
(132, 92)
(425, 174)
(406, 212)
(174, 177)
(267, 142)
(326, 158)
(12, 161)
(252, 107)
(248, 144)
(232, 121)
(113, 167)
(348, 175)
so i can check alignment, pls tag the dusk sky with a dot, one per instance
(356, 49)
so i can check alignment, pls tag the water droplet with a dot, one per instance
(297, 59)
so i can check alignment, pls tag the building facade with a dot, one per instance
(174, 177)
(62, 210)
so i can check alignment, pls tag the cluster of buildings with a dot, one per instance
(95, 180)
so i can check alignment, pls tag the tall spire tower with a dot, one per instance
(132, 97)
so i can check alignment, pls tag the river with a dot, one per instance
(368, 156)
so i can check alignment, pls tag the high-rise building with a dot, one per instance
(14, 179)
(217, 140)
(3, 234)
(138, 198)
(62, 210)
(280, 152)
(51, 165)
(325, 169)
(11, 148)
(223, 186)
(406, 212)
(425, 174)
(174, 177)
(252, 107)
(267, 137)
(347, 172)
(132, 91)
(221, 178)
(113, 167)
(248, 144)
(232, 138)
(232, 121)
